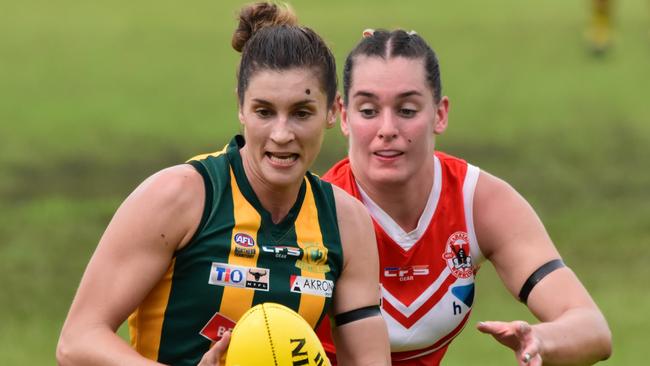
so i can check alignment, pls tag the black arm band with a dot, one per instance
(356, 314)
(537, 276)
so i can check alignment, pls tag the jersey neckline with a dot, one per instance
(234, 156)
(406, 240)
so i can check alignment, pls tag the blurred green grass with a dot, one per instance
(94, 97)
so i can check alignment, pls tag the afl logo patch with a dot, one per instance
(244, 240)
(244, 245)
(457, 255)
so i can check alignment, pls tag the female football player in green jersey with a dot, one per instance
(198, 244)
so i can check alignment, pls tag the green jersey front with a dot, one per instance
(239, 258)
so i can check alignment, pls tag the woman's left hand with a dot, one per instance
(517, 335)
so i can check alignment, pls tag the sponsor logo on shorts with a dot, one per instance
(239, 276)
(216, 327)
(457, 255)
(312, 286)
(407, 273)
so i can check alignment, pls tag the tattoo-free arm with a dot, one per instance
(512, 237)
(363, 341)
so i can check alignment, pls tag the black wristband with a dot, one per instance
(537, 276)
(356, 314)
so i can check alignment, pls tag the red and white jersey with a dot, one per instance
(427, 275)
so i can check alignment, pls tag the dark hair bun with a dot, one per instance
(256, 16)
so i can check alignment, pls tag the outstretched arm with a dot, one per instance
(133, 254)
(572, 331)
(363, 341)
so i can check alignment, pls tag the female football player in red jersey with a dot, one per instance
(197, 245)
(437, 218)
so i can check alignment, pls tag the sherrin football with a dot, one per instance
(272, 334)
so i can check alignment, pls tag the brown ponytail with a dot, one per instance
(268, 37)
(256, 16)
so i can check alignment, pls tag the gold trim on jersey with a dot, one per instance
(146, 322)
(235, 301)
(314, 255)
(215, 154)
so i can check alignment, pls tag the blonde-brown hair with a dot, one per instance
(269, 37)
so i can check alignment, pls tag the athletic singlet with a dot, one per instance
(239, 258)
(428, 288)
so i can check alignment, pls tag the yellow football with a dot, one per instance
(272, 334)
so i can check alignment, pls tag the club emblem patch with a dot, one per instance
(457, 255)
(314, 259)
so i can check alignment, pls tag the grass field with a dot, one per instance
(96, 96)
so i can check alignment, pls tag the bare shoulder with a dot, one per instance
(349, 210)
(355, 224)
(345, 201)
(501, 214)
(491, 188)
(173, 199)
(174, 185)
(493, 198)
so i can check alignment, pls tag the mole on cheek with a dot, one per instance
(409, 141)
(307, 91)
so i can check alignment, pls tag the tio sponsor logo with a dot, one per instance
(225, 274)
(237, 276)
(406, 273)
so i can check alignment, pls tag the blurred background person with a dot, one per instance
(599, 32)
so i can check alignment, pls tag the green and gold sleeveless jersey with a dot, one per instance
(239, 258)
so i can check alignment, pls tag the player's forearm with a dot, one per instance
(363, 343)
(578, 337)
(97, 347)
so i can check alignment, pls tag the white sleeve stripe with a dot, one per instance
(471, 178)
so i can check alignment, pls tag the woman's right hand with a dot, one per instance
(212, 357)
(518, 336)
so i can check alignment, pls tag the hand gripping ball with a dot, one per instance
(272, 334)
